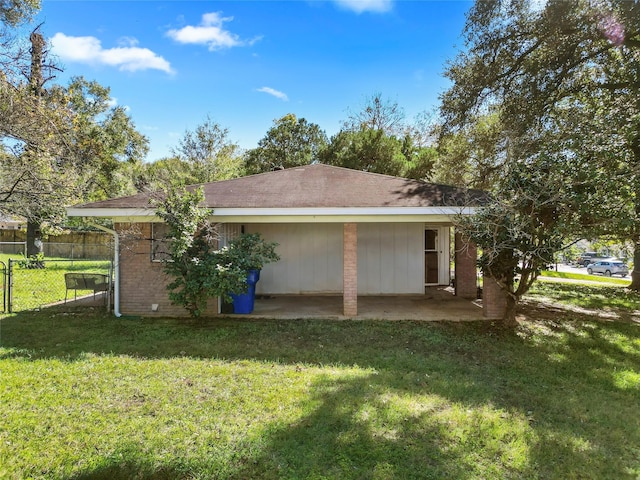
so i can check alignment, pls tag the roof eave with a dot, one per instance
(289, 215)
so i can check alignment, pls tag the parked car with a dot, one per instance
(609, 267)
(586, 258)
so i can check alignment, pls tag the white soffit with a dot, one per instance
(289, 215)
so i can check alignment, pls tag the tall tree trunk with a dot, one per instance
(635, 229)
(510, 312)
(635, 274)
(37, 55)
(34, 239)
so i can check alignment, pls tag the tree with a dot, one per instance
(30, 173)
(14, 51)
(197, 268)
(544, 67)
(210, 153)
(15, 12)
(607, 158)
(418, 160)
(374, 151)
(155, 176)
(552, 73)
(378, 114)
(377, 139)
(471, 156)
(191, 241)
(62, 145)
(103, 141)
(290, 142)
(519, 234)
(367, 150)
(66, 144)
(15, 62)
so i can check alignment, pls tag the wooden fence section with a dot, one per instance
(66, 245)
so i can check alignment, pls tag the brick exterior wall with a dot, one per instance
(143, 282)
(350, 270)
(494, 300)
(466, 255)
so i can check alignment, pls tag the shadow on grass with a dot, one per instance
(586, 296)
(131, 469)
(338, 440)
(553, 391)
(578, 421)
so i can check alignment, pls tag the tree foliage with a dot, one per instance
(155, 176)
(557, 74)
(191, 244)
(472, 156)
(199, 269)
(72, 147)
(290, 142)
(15, 12)
(209, 154)
(374, 151)
(378, 114)
(35, 176)
(519, 234)
(14, 49)
(103, 141)
(377, 139)
(62, 145)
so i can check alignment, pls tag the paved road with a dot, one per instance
(573, 269)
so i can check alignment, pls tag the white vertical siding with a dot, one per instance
(310, 258)
(390, 258)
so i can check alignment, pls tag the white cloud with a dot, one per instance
(128, 42)
(210, 32)
(275, 93)
(360, 6)
(89, 50)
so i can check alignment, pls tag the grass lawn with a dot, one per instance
(87, 396)
(38, 287)
(584, 277)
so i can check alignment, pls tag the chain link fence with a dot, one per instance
(13, 248)
(62, 249)
(3, 279)
(61, 284)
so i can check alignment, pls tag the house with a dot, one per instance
(340, 231)
(11, 222)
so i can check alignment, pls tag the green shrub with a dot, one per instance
(198, 269)
(33, 261)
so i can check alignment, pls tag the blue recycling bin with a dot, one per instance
(244, 302)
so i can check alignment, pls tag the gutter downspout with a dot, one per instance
(116, 267)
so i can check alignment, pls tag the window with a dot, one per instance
(227, 232)
(159, 242)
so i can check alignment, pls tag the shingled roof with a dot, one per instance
(317, 186)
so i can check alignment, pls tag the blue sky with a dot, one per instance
(246, 63)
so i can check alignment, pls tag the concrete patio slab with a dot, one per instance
(437, 304)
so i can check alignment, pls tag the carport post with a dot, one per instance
(466, 270)
(350, 270)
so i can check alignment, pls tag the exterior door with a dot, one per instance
(431, 257)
